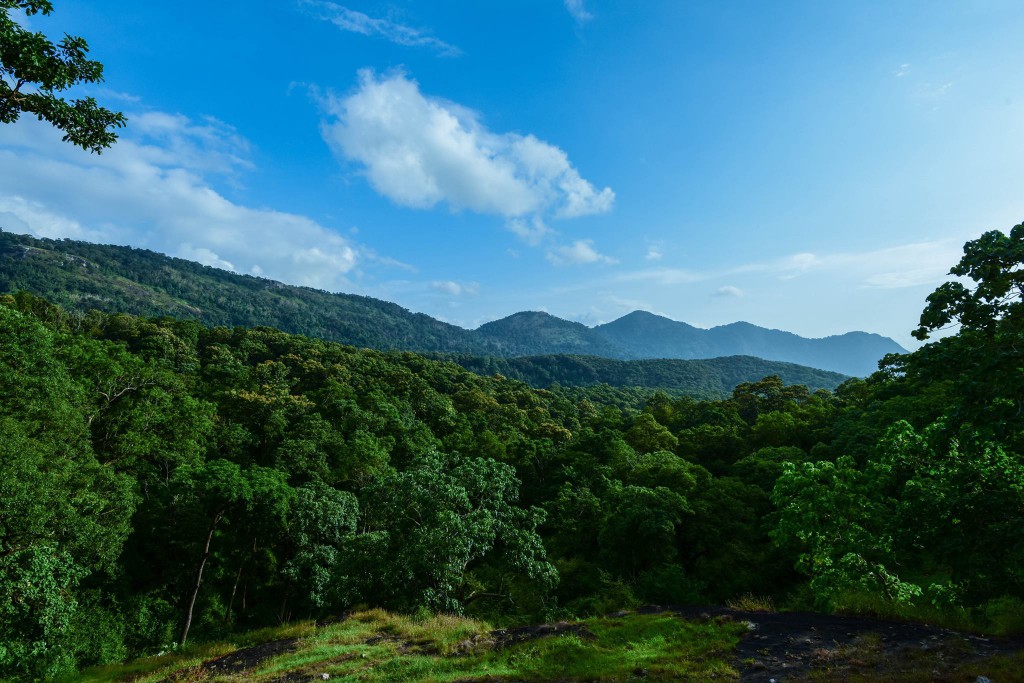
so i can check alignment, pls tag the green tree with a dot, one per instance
(64, 516)
(33, 70)
(436, 519)
(840, 521)
(993, 262)
(321, 523)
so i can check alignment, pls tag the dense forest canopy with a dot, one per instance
(165, 480)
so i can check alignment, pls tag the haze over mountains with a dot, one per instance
(82, 275)
(641, 335)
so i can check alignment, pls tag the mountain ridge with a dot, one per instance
(83, 275)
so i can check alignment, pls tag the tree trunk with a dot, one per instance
(284, 600)
(234, 588)
(199, 577)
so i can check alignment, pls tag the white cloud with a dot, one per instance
(150, 190)
(578, 11)
(421, 151)
(729, 290)
(107, 93)
(174, 140)
(532, 231)
(902, 71)
(662, 276)
(18, 214)
(356, 22)
(905, 265)
(653, 254)
(577, 253)
(454, 288)
(209, 258)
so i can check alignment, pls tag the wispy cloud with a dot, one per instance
(352, 21)
(662, 276)
(729, 291)
(887, 268)
(453, 288)
(902, 71)
(422, 151)
(578, 253)
(153, 190)
(578, 10)
(654, 254)
(934, 91)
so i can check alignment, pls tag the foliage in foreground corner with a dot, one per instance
(34, 71)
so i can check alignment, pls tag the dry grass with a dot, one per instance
(748, 602)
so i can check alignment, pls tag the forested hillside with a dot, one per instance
(708, 379)
(80, 276)
(165, 480)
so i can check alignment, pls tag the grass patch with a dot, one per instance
(375, 646)
(155, 668)
(658, 646)
(1000, 617)
(748, 602)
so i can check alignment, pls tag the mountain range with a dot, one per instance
(82, 275)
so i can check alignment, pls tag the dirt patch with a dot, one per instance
(506, 637)
(405, 647)
(249, 657)
(790, 646)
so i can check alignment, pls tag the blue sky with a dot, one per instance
(807, 166)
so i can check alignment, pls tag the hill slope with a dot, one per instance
(80, 275)
(645, 335)
(712, 378)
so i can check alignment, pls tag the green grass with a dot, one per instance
(442, 648)
(1000, 617)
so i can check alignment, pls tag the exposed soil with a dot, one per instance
(249, 657)
(789, 646)
(506, 637)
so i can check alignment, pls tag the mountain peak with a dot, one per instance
(524, 319)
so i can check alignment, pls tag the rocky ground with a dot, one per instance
(788, 646)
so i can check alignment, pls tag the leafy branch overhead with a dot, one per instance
(994, 262)
(34, 70)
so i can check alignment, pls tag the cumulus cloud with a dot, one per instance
(729, 290)
(578, 10)
(421, 151)
(356, 22)
(577, 253)
(152, 190)
(21, 215)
